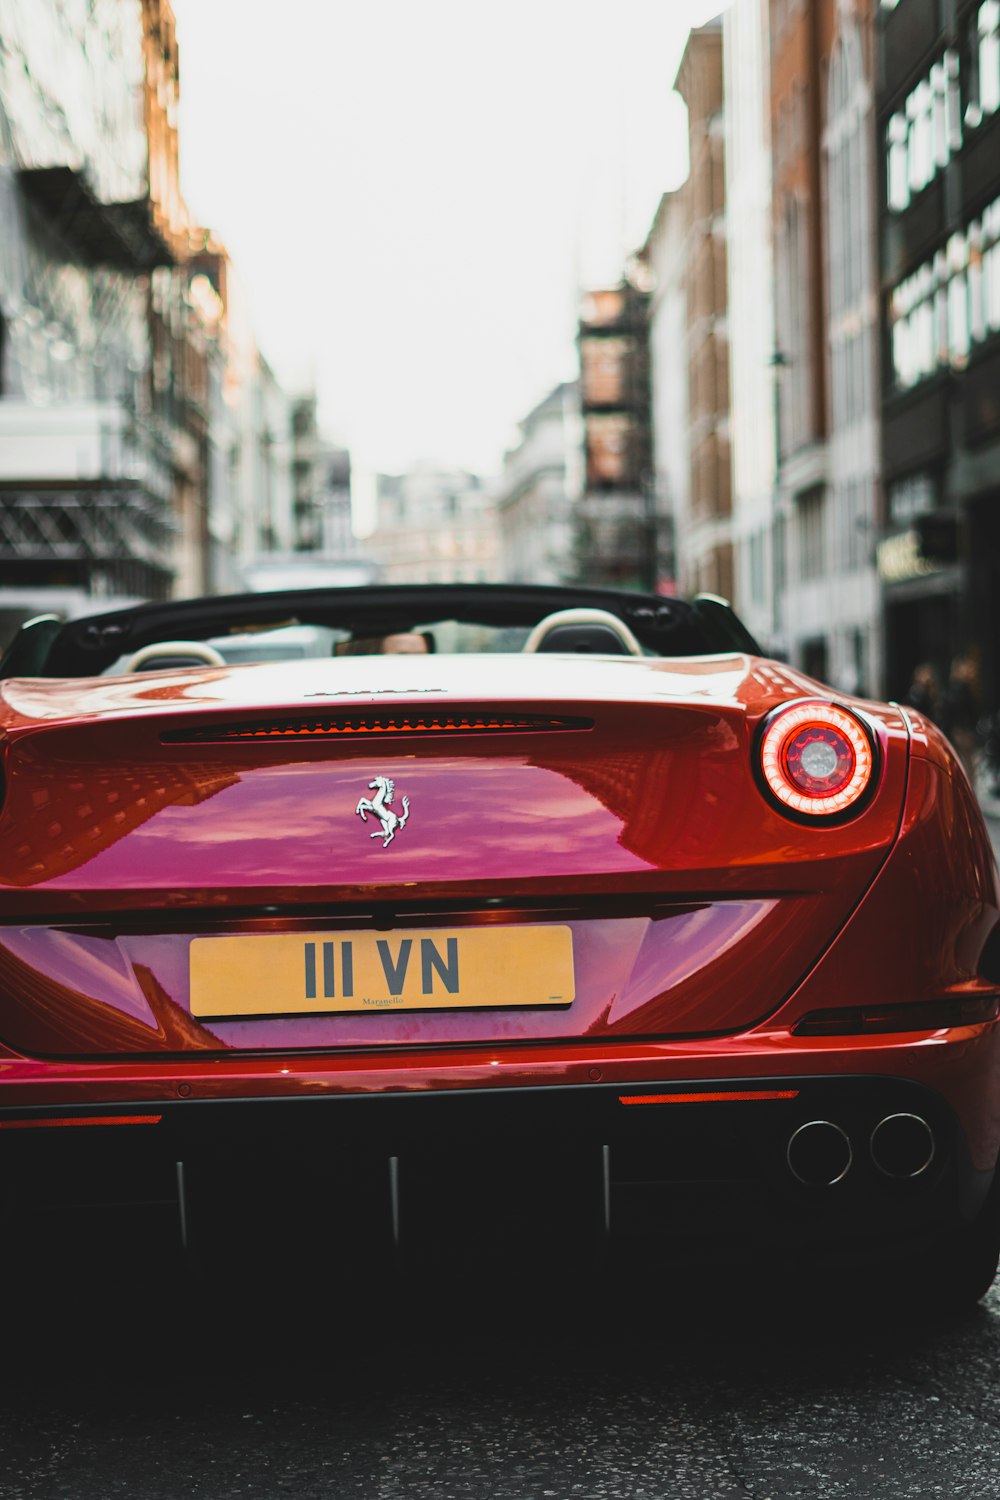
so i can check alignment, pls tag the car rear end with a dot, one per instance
(372, 960)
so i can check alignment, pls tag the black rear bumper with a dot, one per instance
(540, 1181)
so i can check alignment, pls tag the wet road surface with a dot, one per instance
(700, 1398)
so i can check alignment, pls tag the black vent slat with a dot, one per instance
(350, 726)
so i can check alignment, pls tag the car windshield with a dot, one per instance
(421, 620)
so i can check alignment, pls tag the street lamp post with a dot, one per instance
(777, 362)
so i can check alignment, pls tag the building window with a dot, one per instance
(757, 585)
(856, 521)
(919, 126)
(918, 316)
(952, 104)
(898, 187)
(794, 326)
(989, 56)
(958, 301)
(815, 658)
(922, 137)
(811, 512)
(780, 571)
(990, 284)
(860, 653)
(948, 304)
(910, 497)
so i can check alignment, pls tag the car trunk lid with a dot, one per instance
(615, 802)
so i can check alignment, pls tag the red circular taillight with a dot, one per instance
(817, 759)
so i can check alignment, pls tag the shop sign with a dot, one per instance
(899, 558)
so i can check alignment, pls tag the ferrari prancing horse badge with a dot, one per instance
(379, 805)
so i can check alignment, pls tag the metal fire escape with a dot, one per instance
(110, 534)
(114, 538)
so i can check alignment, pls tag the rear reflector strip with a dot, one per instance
(926, 1015)
(58, 1122)
(703, 1098)
(353, 725)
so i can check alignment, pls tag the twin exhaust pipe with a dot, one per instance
(819, 1153)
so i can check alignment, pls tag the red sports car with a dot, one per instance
(524, 923)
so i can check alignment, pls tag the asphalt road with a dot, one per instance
(712, 1392)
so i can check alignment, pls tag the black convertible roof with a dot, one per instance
(48, 647)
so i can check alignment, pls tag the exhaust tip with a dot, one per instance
(819, 1153)
(902, 1145)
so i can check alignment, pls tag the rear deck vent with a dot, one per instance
(354, 726)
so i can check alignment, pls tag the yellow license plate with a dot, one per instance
(278, 974)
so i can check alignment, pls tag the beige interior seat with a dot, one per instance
(174, 654)
(593, 632)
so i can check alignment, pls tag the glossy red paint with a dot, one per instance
(660, 794)
(695, 905)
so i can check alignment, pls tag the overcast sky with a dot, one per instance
(412, 192)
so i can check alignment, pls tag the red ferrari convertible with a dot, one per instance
(496, 925)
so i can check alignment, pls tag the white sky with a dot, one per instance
(412, 193)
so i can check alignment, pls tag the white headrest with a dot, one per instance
(602, 617)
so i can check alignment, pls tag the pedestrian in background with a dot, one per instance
(924, 692)
(960, 710)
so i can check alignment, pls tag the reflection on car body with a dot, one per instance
(655, 943)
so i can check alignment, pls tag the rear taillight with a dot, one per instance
(816, 759)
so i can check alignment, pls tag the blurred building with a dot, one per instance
(279, 484)
(321, 485)
(705, 536)
(615, 523)
(85, 466)
(686, 255)
(435, 526)
(317, 546)
(938, 113)
(183, 366)
(825, 357)
(750, 314)
(538, 489)
(803, 529)
(847, 141)
(232, 362)
(145, 446)
(663, 254)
